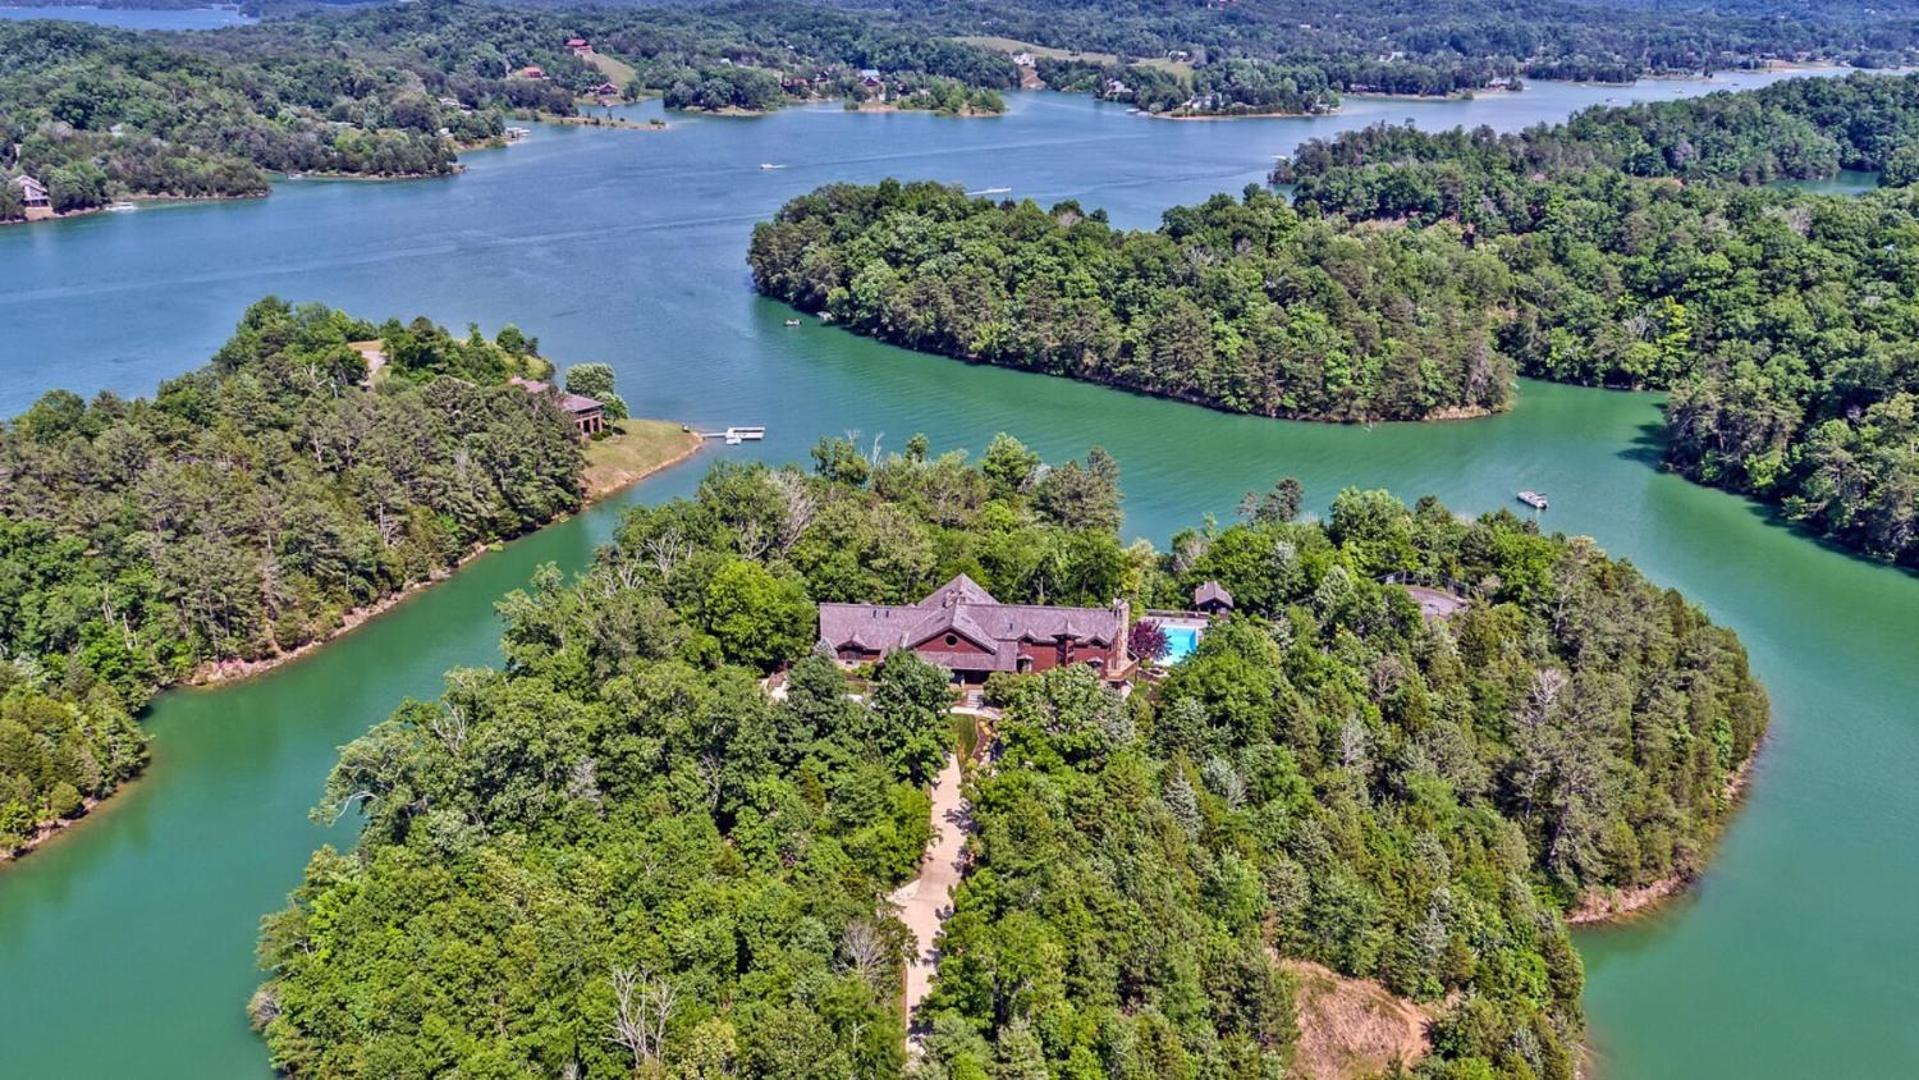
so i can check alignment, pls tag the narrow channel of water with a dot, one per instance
(125, 948)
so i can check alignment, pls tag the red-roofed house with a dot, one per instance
(962, 628)
(589, 416)
(580, 47)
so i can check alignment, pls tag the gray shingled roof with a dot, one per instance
(963, 608)
(572, 403)
(1211, 592)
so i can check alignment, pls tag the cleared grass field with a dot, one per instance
(618, 72)
(640, 449)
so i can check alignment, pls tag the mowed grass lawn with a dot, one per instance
(617, 72)
(639, 449)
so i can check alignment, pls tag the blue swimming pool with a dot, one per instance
(1180, 642)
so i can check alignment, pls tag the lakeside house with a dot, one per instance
(34, 199)
(964, 629)
(588, 415)
(606, 90)
(579, 47)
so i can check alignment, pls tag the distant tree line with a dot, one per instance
(753, 57)
(1221, 89)
(1798, 129)
(243, 511)
(96, 113)
(396, 91)
(619, 853)
(1422, 50)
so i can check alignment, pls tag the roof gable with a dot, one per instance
(956, 620)
(960, 590)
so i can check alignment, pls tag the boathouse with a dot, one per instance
(33, 198)
(962, 628)
(588, 415)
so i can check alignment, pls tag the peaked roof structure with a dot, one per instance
(964, 627)
(1212, 593)
(572, 403)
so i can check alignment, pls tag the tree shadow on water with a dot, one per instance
(1648, 446)
(1773, 517)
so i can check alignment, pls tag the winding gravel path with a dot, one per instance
(927, 900)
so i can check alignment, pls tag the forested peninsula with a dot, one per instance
(1240, 305)
(248, 509)
(620, 852)
(1642, 247)
(96, 114)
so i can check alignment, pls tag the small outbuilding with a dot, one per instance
(1212, 598)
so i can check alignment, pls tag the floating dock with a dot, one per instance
(734, 436)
